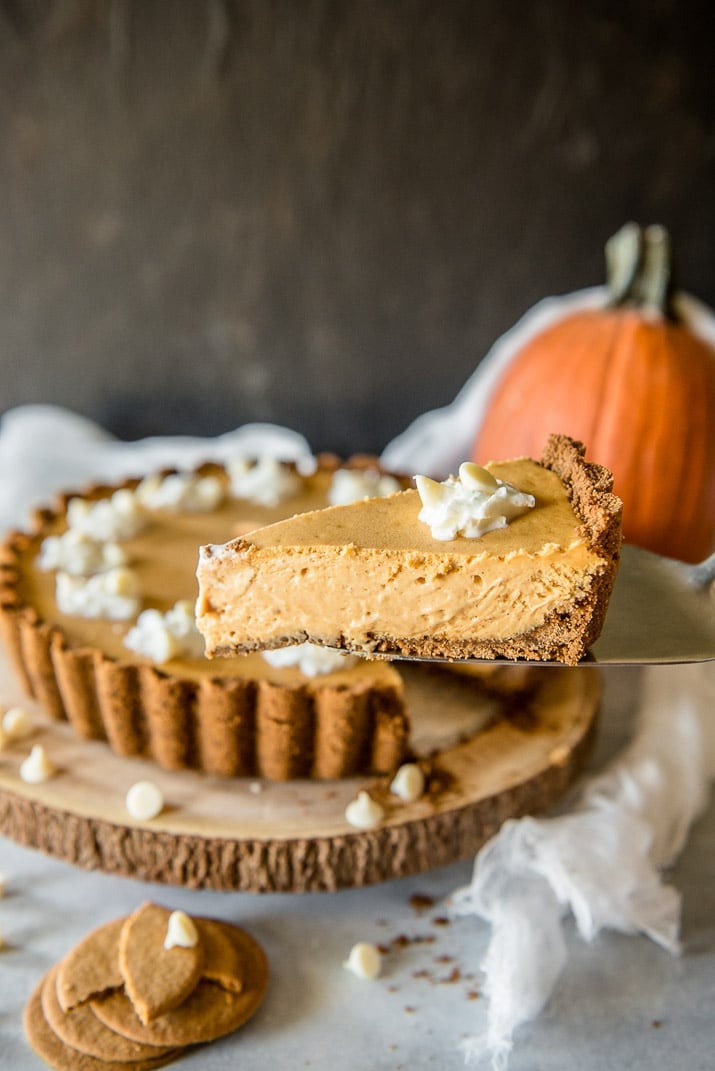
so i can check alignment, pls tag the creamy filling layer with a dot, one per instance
(362, 593)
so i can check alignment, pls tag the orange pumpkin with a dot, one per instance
(634, 385)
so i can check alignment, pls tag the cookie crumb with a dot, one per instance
(421, 902)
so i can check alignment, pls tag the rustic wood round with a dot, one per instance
(261, 836)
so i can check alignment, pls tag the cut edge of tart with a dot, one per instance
(536, 589)
(279, 726)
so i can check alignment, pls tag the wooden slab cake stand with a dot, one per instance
(258, 836)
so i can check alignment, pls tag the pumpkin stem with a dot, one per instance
(639, 270)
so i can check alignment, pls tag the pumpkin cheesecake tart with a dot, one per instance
(514, 561)
(97, 616)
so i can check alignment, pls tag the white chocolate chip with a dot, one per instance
(144, 800)
(431, 492)
(16, 723)
(364, 960)
(37, 767)
(181, 931)
(409, 782)
(475, 476)
(364, 812)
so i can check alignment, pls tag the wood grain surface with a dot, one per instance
(260, 836)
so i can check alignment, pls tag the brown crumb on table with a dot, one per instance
(403, 941)
(472, 994)
(421, 901)
(441, 920)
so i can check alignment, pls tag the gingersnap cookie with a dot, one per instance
(222, 960)
(208, 1013)
(157, 979)
(80, 1029)
(55, 1052)
(91, 967)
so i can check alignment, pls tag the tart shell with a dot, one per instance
(222, 725)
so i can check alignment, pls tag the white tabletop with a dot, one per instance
(622, 1002)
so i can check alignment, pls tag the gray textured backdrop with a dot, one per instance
(323, 212)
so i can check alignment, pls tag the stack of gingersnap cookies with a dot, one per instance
(137, 991)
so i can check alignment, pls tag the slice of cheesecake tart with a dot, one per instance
(514, 561)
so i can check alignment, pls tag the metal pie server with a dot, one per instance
(661, 611)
